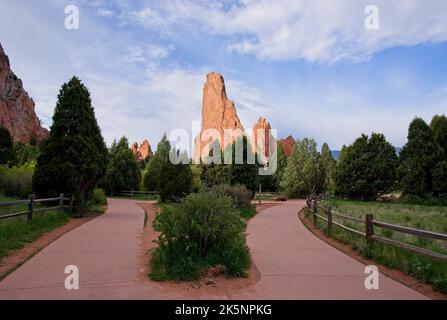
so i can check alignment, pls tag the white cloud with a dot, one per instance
(314, 30)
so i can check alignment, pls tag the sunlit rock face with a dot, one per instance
(143, 151)
(218, 114)
(16, 107)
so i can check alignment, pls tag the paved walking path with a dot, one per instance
(104, 249)
(293, 263)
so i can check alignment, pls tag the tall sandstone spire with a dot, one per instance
(261, 138)
(16, 107)
(218, 112)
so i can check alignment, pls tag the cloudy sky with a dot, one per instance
(309, 66)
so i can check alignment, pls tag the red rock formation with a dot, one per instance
(16, 107)
(142, 152)
(218, 113)
(287, 145)
(262, 131)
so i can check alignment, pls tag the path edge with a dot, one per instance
(394, 274)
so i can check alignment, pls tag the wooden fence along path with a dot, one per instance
(31, 206)
(370, 223)
(133, 193)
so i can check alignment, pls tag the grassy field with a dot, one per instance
(430, 218)
(16, 232)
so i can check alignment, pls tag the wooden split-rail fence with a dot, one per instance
(32, 208)
(369, 226)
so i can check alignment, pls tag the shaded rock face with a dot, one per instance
(287, 145)
(142, 152)
(16, 107)
(218, 113)
(262, 131)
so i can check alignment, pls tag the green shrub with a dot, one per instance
(17, 181)
(203, 231)
(99, 197)
(97, 201)
(240, 195)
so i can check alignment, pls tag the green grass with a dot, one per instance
(248, 212)
(16, 232)
(430, 218)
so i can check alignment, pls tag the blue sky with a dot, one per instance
(309, 67)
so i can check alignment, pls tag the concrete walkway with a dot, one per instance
(105, 250)
(293, 263)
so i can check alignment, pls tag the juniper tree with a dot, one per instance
(74, 157)
(123, 171)
(417, 159)
(6, 146)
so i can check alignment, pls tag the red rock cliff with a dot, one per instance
(218, 113)
(16, 107)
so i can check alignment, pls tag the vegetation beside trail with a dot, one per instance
(16, 232)
(430, 218)
(203, 231)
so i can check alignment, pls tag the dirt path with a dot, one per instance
(292, 262)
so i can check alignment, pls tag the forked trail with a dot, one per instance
(293, 263)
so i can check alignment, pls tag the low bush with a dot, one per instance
(240, 195)
(17, 181)
(204, 230)
(97, 201)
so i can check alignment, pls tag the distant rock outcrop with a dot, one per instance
(142, 152)
(262, 131)
(287, 145)
(16, 107)
(218, 113)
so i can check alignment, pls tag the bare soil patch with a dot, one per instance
(394, 274)
(18, 257)
(212, 283)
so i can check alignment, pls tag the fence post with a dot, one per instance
(260, 190)
(71, 202)
(329, 221)
(369, 226)
(131, 195)
(61, 200)
(314, 211)
(30, 207)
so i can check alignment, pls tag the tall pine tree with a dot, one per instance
(74, 157)
(6, 146)
(123, 171)
(329, 167)
(439, 173)
(417, 159)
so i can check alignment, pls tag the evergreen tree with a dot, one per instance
(304, 173)
(417, 159)
(244, 173)
(214, 173)
(123, 172)
(366, 169)
(329, 167)
(74, 157)
(438, 127)
(149, 181)
(6, 146)
(439, 173)
(173, 181)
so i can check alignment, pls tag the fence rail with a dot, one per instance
(369, 222)
(31, 206)
(133, 193)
